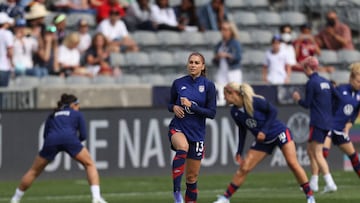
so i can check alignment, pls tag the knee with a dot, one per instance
(243, 170)
(183, 146)
(192, 178)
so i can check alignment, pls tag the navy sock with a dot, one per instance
(307, 190)
(355, 163)
(191, 192)
(231, 189)
(178, 167)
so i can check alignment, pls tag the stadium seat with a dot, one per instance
(153, 79)
(235, 4)
(293, 18)
(103, 79)
(208, 55)
(193, 40)
(169, 39)
(162, 61)
(328, 57)
(180, 58)
(268, 18)
(340, 76)
(212, 37)
(298, 78)
(261, 37)
(137, 62)
(347, 57)
(257, 4)
(73, 18)
(48, 20)
(147, 40)
(199, 3)
(173, 3)
(128, 79)
(77, 80)
(52, 80)
(245, 38)
(245, 19)
(253, 57)
(117, 59)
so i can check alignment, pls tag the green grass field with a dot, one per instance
(258, 188)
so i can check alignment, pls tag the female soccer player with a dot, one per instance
(192, 99)
(61, 134)
(346, 109)
(252, 112)
(319, 94)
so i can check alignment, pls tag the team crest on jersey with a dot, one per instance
(251, 123)
(348, 109)
(201, 88)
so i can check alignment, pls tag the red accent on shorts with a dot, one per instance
(288, 135)
(311, 133)
(172, 131)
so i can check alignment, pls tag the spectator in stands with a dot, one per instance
(48, 51)
(97, 57)
(227, 58)
(276, 68)
(286, 45)
(24, 48)
(103, 10)
(12, 8)
(138, 16)
(336, 35)
(60, 23)
(6, 47)
(213, 14)
(85, 37)
(117, 34)
(186, 15)
(305, 44)
(35, 16)
(164, 16)
(69, 6)
(69, 56)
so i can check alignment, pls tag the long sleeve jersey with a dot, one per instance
(65, 127)
(264, 120)
(318, 98)
(346, 106)
(202, 93)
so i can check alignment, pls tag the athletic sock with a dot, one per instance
(191, 192)
(329, 180)
(231, 189)
(325, 152)
(178, 167)
(95, 191)
(18, 194)
(355, 163)
(307, 190)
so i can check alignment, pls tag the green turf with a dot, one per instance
(258, 188)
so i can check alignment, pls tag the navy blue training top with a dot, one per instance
(63, 127)
(264, 120)
(346, 106)
(318, 98)
(202, 93)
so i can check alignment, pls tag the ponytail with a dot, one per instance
(65, 100)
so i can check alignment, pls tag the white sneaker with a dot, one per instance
(314, 186)
(14, 201)
(329, 188)
(99, 200)
(311, 199)
(222, 199)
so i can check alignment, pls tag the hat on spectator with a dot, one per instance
(20, 22)
(59, 18)
(4, 18)
(276, 38)
(36, 10)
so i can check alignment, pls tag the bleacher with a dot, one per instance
(163, 54)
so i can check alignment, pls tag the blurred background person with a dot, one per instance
(24, 49)
(71, 6)
(336, 35)
(186, 15)
(212, 14)
(138, 16)
(227, 58)
(164, 16)
(13, 9)
(105, 6)
(6, 51)
(85, 36)
(117, 34)
(60, 23)
(286, 45)
(276, 69)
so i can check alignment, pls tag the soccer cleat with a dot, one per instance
(222, 199)
(178, 197)
(15, 201)
(311, 199)
(329, 188)
(98, 200)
